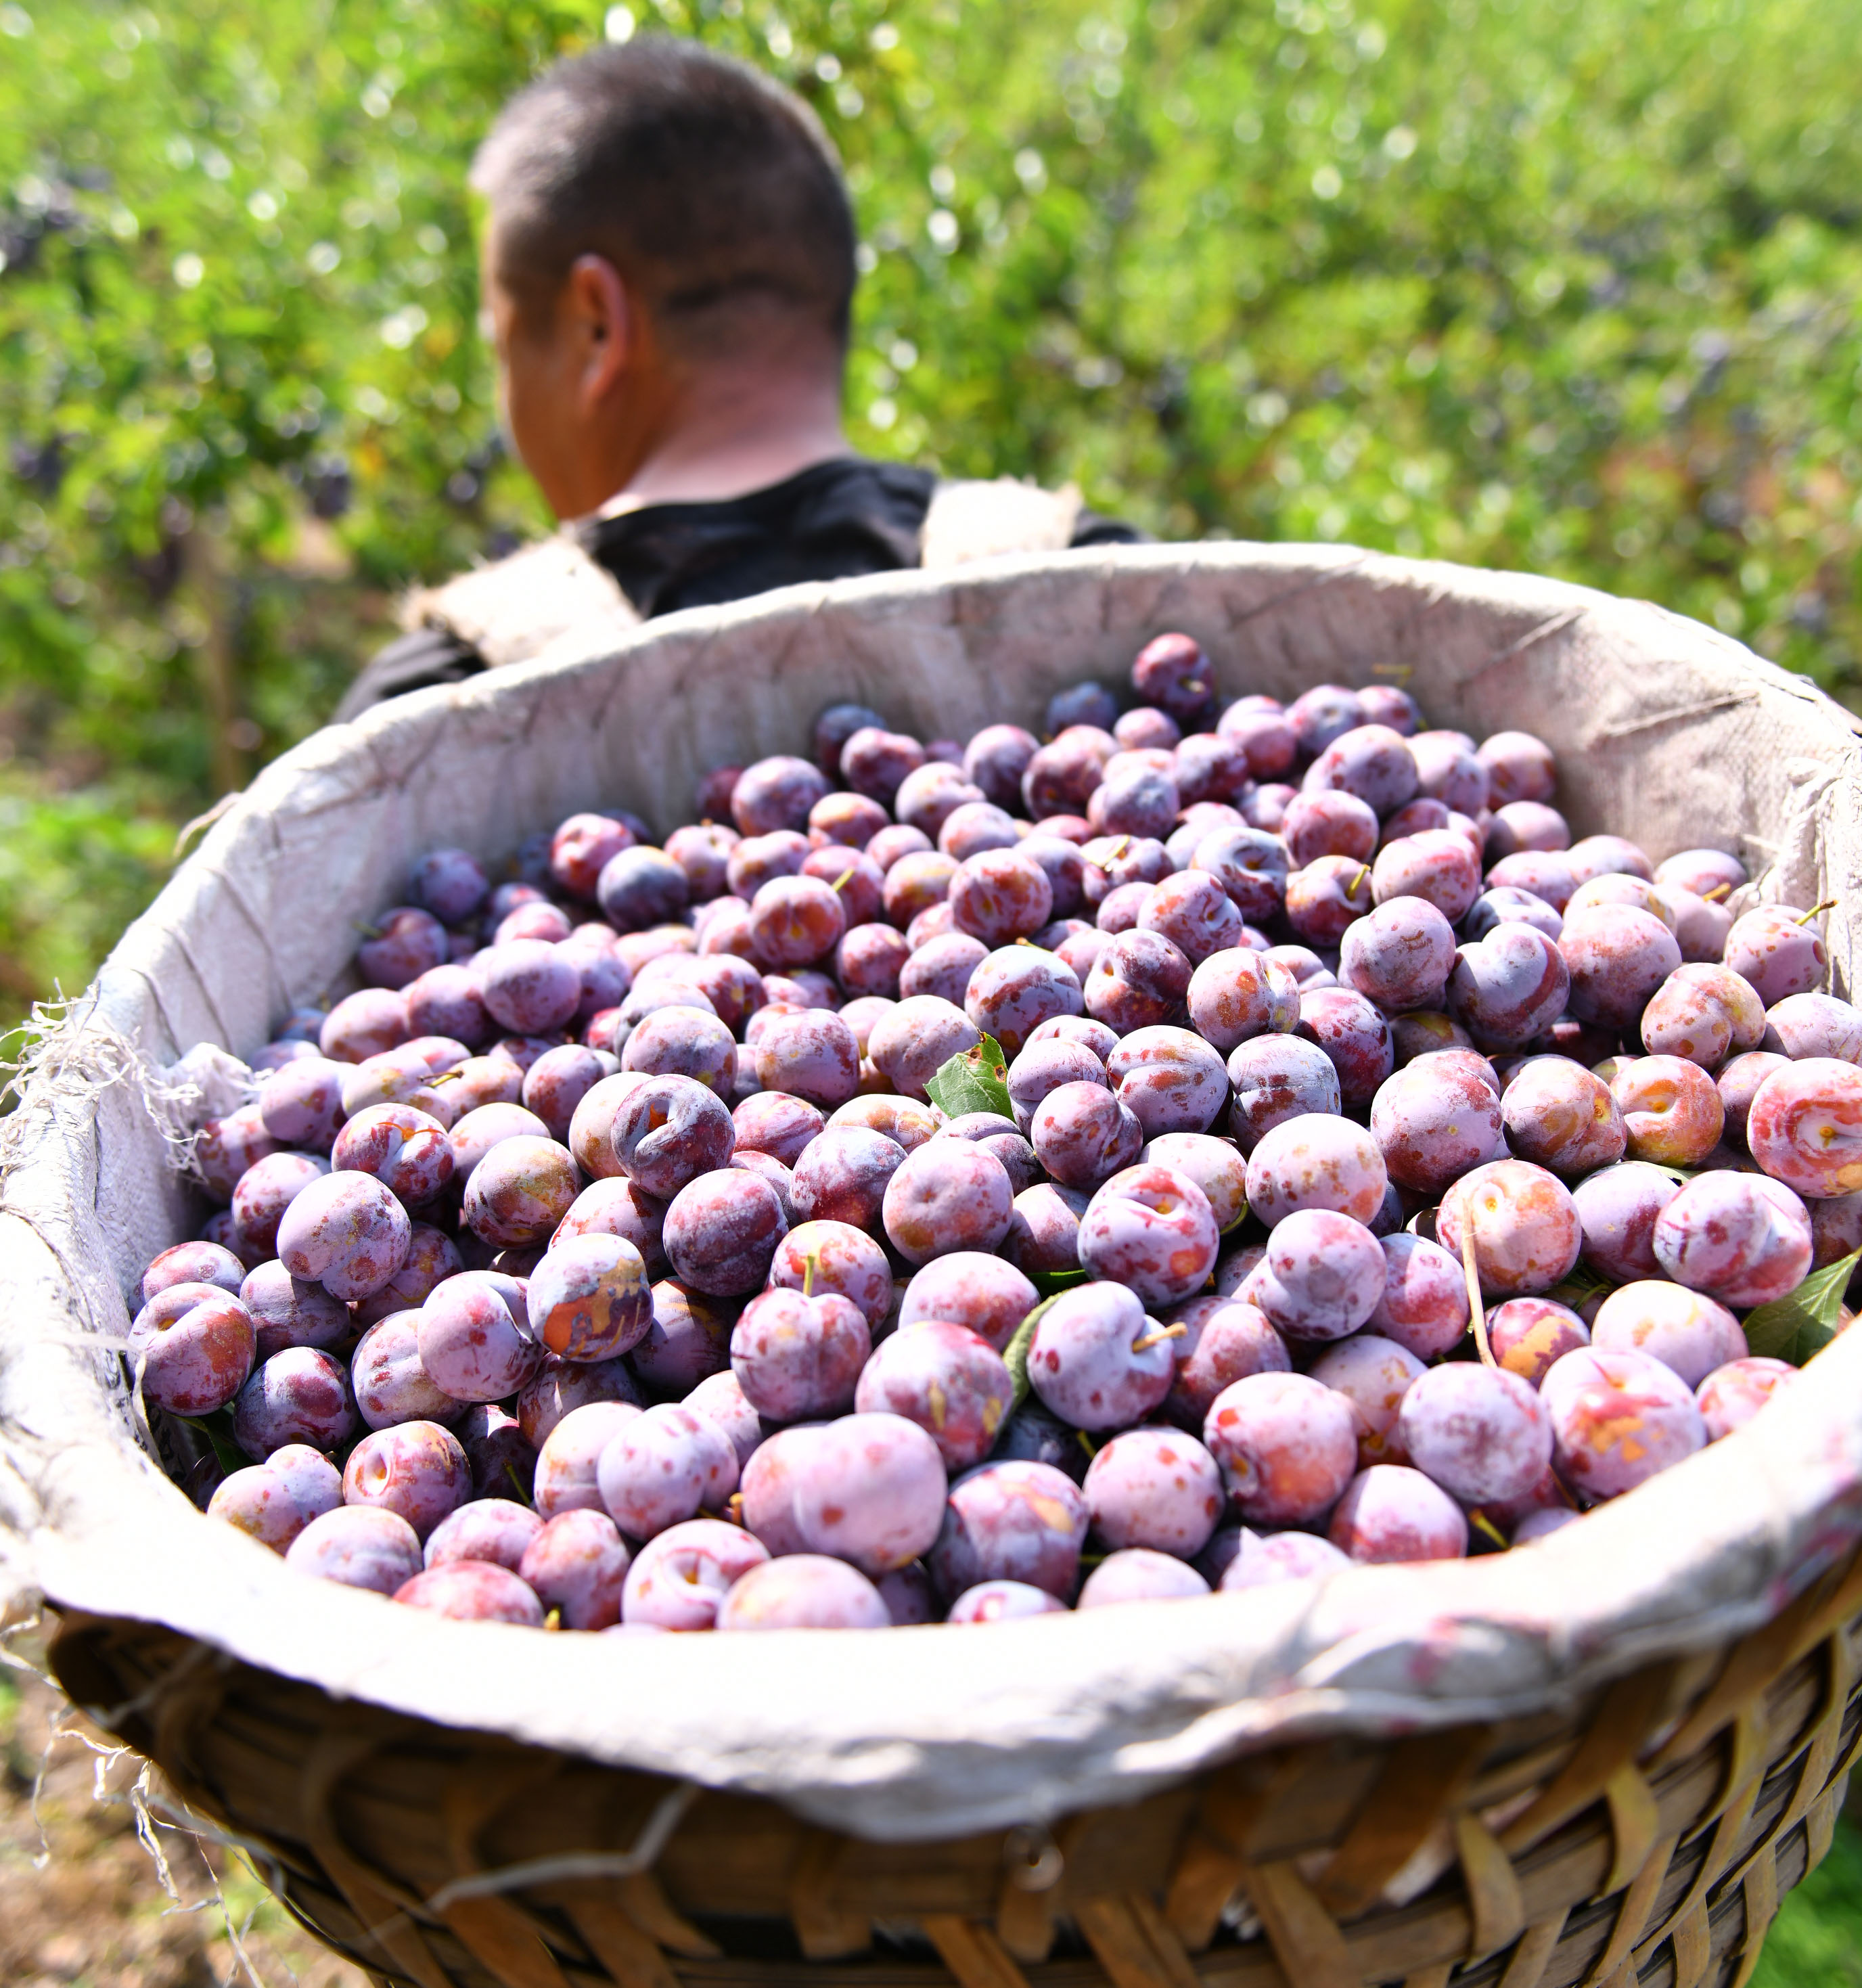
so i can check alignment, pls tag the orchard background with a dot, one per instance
(1573, 285)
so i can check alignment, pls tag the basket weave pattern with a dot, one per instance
(1648, 1840)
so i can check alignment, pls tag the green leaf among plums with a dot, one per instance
(974, 1080)
(1801, 1324)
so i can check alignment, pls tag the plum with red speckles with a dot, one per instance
(1562, 1116)
(672, 1041)
(841, 1175)
(1193, 911)
(1139, 980)
(1608, 855)
(567, 1457)
(1684, 1329)
(1731, 1395)
(409, 1152)
(1507, 905)
(1525, 1226)
(581, 848)
(1213, 1163)
(1701, 870)
(940, 967)
(776, 1123)
(1316, 1160)
(266, 1506)
(1043, 1234)
(1012, 991)
(1400, 955)
(1326, 897)
(1017, 1521)
(1209, 767)
(559, 1079)
(1543, 874)
(1389, 1512)
(810, 1053)
(1354, 1034)
(464, 1591)
(870, 1489)
(1510, 987)
(759, 859)
(1672, 1109)
(908, 1122)
(1171, 671)
(1287, 1445)
(1413, 818)
(1617, 956)
(1223, 1340)
(1236, 995)
(364, 1024)
(686, 1341)
(1121, 909)
(1740, 1238)
(795, 1356)
(1171, 1080)
(1324, 712)
(1738, 1083)
(1617, 1208)
(227, 1146)
(451, 884)
(358, 1546)
(347, 1231)
(948, 1195)
(1136, 795)
(1373, 1374)
(1152, 1230)
(1060, 776)
(575, 1566)
(869, 959)
(983, 1292)
(1529, 1335)
(519, 1191)
(503, 1463)
(536, 918)
(1703, 1012)
(1449, 770)
(1266, 1559)
(493, 1530)
(288, 1312)
(1519, 825)
(1097, 1360)
(475, 1338)
(1433, 1122)
(873, 761)
(995, 759)
(415, 1470)
(562, 1386)
(946, 1379)
(776, 793)
(803, 1592)
(390, 1384)
(1435, 864)
(832, 1256)
(1322, 1275)
(1042, 1067)
(1619, 1419)
(1701, 928)
(301, 1105)
(1316, 825)
(665, 1465)
(1805, 1127)
(1424, 1307)
(1003, 1601)
(1136, 1573)
(1519, 767)
(703, 851)
(1370, 762)
(666, 1130)
(722, 1230)
(589, 1299)
(1250, 864)
(928, 798)
(679, 1579)
(1275, 1078)
(617, 1207)
(913, 1043)
(265, 1190)
(300, 1395)
(1815, 1025)
(195, 1263)
(529, 986)
(1479, 1431)
(794, 921)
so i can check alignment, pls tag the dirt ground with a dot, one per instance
(82, 1900)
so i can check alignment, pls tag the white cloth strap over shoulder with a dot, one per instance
(513, 610)
(974, 520)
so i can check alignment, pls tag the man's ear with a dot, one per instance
(600, 306)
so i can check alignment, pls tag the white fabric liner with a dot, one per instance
(1665, 731)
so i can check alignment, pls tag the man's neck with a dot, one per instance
(734, 434)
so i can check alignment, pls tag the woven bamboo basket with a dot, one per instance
(1600, 1760)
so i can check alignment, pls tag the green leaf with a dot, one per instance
(1582, 1284)
(975, 1080)
(218, 1431)
(1016, 1357)
(1801, 1324)
(1052, 1283)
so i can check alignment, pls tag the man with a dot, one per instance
(669, 271)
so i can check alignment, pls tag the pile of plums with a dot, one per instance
(653, 1241)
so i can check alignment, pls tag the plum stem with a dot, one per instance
(840, 880)
(1482, 1523)
(1363, 873)
(808, 1273)
(1817, 910)
(1713, 896)
(1477, 1311)
(1156, 1336)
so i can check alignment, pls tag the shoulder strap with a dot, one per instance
(973, 520)
(513, 610)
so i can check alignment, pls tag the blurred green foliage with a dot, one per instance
(1575, 286)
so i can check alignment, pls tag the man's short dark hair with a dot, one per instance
(708, 186)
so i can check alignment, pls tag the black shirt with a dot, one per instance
(833, 522)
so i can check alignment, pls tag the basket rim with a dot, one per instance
(1044, 1716)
